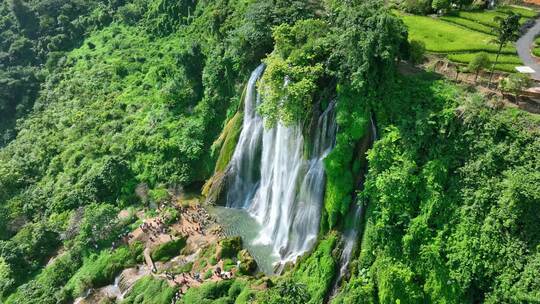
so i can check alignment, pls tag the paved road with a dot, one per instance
(524, 45)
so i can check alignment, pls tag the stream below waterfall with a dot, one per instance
(238, 222)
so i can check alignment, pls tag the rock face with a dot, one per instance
(229, 247)
(247, 262)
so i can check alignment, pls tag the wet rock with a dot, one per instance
(229, 247)
(247, 262)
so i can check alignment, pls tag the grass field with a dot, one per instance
(444, 37)
(463, 34)
(473, 25)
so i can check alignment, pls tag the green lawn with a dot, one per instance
(463, 34)
(506, 63)
(523, 11)
(486, 18)
(467, 57)
(444, 37)
(472, 25)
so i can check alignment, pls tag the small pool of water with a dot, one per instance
(237, 222)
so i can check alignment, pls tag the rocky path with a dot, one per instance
(193, 223)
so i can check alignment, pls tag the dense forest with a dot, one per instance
(114, 105)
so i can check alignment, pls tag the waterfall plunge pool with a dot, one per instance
(238, 222)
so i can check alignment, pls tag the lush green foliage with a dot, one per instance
(99, 270)
(149, 290)
(287, 292)
(515, 83)
(451, 194)
(293, 71)
(232, 291)
(444, 37)
(463, 34)
(317, 271)
(35, 33)
(417, 52)
(46, 286)
(133, 94)
(479, 62)
(167, 251)
(25, 253)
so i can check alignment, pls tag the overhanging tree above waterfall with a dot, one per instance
(356, 48)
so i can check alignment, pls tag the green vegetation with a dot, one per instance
(149, 290)
(228, 248)
(183, 268)
(45, 287)
(450, 185)
(135, 104)
(231, 291)
(515, 84)
(479, 63)
(167, 251)
(443, 37)
(417, 51)
(461, 35)
(506, 32)
(100, 270)
(317, 271)
(107, 104)
(287, 292)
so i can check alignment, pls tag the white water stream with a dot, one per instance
(273, 180)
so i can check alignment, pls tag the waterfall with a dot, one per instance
(243, 165)
(350, 238)
(274, 181)
(352, 231)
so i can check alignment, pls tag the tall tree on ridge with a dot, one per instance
(507, 31)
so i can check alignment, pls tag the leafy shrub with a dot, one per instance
(209, 292)
(317, 271)
(149, 290)
(287, 291)
(228, 264)
(99, 270)
(229, 247)
(440, 5)
(417, 51)
(416, 6)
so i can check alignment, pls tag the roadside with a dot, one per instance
(524, 47)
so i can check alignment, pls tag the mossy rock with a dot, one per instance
(247, 262)
(167, 251)
(229, 247)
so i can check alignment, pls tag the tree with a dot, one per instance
(416, 6)
(507, 31)
(515, 83)
(417, 51)
(6, 280)
(440, 5)
(479, 62)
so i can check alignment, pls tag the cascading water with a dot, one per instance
(275, 183)
(350, 236)
(243, 165)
